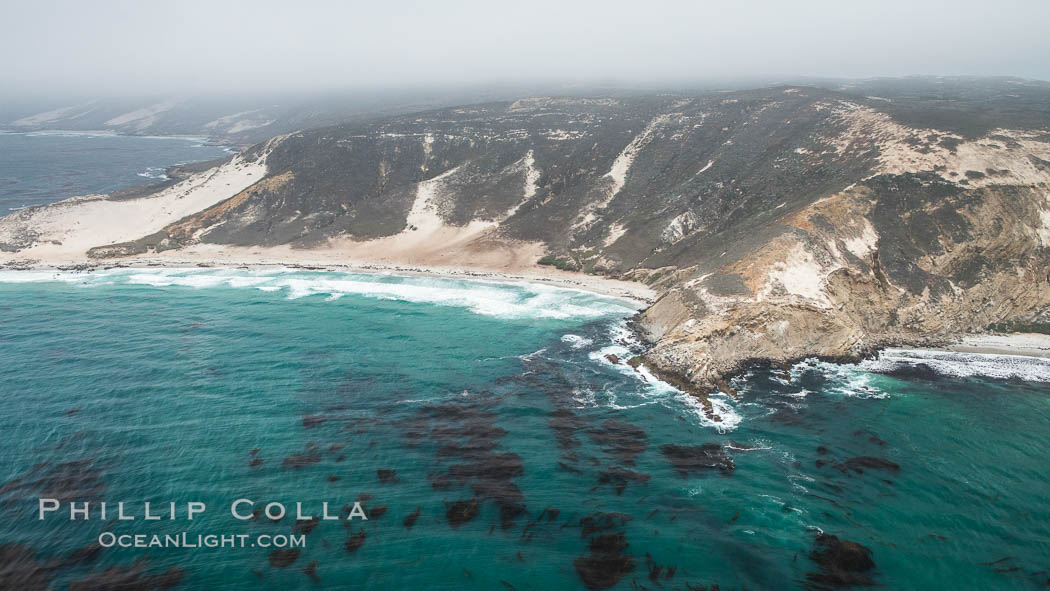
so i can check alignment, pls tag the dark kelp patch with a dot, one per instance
(459, 512)
(78, 480)
(83, 554)
(284, 557)
(841, 562)
(297, 460)
(19, 569)
(305, 526)
(410, 520)
(607, 562)
(659, 571)
(692, 459)
(619, 478)
(311, 421)
(354, 541)
(859, 464)
(466, 430)
(622, 440)
(132, 578)
(599, 522)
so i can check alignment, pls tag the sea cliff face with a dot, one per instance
(777, 224)
(901, 259)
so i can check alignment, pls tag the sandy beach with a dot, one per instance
(58, 237)
(327, 260)
(1026, 344)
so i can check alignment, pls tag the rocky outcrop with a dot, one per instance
(899, 259)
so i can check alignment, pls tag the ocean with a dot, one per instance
(493, 442)
(48, 166)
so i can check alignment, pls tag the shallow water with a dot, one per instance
(44, 167)
(146, 385)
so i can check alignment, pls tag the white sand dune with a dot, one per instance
(66, 230)
(142, 118)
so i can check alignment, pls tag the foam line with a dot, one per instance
(509, 300)
(1032, 369)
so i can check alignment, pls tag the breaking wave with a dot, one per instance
(490, 298)
(66, 133)
(723, 416)
(840, 378)
(962, 365)
(576, 341)
(155, 173)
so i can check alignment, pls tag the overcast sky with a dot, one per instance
(219, 45)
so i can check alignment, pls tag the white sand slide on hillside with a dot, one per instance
(65, 231)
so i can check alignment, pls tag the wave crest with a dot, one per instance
(490, 298)
(962, 365)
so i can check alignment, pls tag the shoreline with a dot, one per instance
(1017, 344)
(146, 179)
(639, 294)
(112, 133)
(1024, 344)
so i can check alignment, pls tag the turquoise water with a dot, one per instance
(138, 385)
(47, 166)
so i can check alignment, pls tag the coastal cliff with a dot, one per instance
(899, 260)
(775, 224)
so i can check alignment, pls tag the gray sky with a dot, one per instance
(220, 45)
